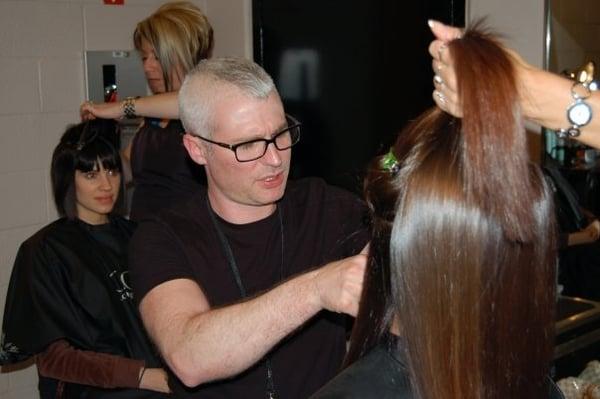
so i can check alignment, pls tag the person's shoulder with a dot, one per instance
(58, 230)
(43, 247)
(178, 218)
(376, 375)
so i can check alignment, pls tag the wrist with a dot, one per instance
(154, 379)
(529, 92)
(141, 376)
(310, 290)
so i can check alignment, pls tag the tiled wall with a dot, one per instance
(42, 45)
(575, 34)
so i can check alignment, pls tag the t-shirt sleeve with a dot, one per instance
(155, 257)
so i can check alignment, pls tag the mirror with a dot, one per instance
(114, 75)
(572, 43)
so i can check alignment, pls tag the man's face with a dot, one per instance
(252, 187)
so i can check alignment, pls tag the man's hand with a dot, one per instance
(593, 230)
(588, 235)
(339, 284)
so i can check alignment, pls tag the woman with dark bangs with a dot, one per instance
(69, 303)
(462, 257)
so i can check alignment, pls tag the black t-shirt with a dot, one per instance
(320, 224)
(163, 173)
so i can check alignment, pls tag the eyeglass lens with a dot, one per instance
(255, 149)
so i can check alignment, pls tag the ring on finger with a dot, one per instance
(441, 51)
(441, 97)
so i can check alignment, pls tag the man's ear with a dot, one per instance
(195, 148)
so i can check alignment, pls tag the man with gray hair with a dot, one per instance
(242, 288)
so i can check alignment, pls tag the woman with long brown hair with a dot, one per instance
(462, 254)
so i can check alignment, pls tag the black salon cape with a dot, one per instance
(382, 374)
(64, 285)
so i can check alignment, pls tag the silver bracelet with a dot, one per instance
(579, 112)
(129, 108)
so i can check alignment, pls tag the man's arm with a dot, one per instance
(201, 344)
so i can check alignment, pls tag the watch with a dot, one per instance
(579, 112)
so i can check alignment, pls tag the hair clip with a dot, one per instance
(390, 163)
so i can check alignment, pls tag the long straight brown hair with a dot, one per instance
(470, 270)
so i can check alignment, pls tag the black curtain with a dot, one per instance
(353, 72)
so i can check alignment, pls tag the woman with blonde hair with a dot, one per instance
(170, 42)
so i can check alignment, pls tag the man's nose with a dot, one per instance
(272, 155)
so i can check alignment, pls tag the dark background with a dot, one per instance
(353, 72)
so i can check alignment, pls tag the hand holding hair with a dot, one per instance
(339, 284)
(90, 110)
(544, 96)
(445, 94)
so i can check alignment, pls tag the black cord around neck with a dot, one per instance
(270, 392)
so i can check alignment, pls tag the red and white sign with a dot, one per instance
(114, 2)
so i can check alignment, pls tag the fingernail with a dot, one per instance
(431, 23)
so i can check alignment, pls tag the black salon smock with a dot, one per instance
(69, 282)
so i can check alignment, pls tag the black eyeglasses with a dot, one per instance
(255, 149)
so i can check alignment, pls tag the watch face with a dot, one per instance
(579, 113)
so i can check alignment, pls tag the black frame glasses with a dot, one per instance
(293, 128)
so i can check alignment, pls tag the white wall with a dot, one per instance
(521, 22)
(42, 45)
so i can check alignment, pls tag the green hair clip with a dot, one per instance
(390, 163)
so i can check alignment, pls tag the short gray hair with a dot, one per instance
(205, 83)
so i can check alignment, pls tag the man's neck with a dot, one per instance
(239, 213)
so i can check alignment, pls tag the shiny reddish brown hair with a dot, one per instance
(463, 251)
